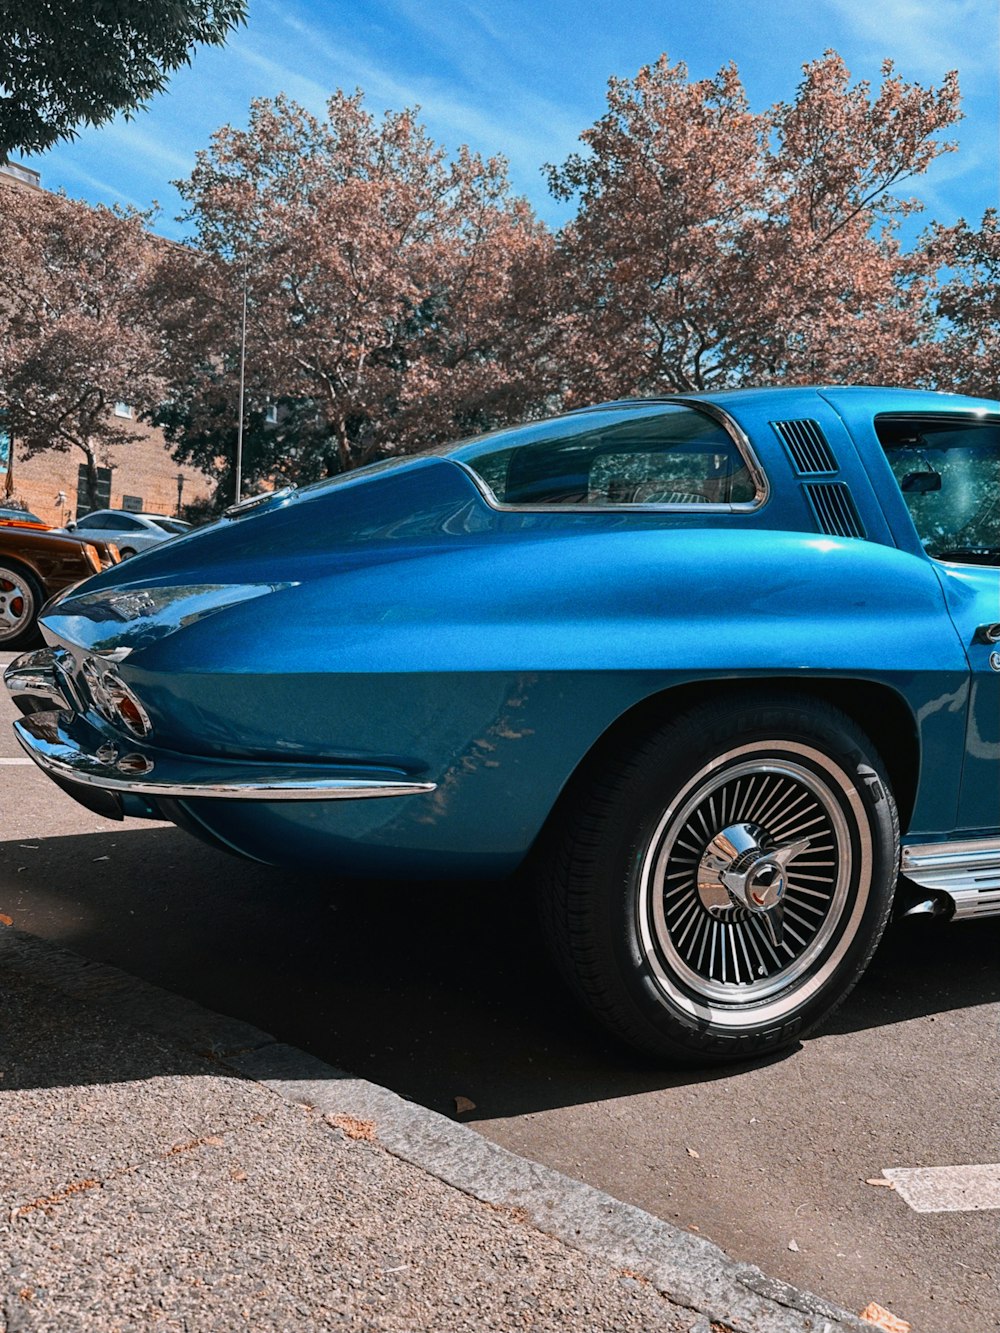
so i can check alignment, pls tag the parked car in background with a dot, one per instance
(36, 563)
(132, 532)
(9, 514)
(724, 670)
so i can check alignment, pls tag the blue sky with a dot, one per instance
(523, 79)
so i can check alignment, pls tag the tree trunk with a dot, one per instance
(8, 485)
(343, 445)
(91, 458)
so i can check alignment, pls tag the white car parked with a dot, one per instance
(131, 533)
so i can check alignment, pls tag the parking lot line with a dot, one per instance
(947, 1189)
(17, 761)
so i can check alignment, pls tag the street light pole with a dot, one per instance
(239, 424)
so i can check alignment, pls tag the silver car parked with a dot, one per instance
(131, 533)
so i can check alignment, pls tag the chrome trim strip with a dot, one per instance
(255, 501)
(740, 438)
(973, 903)
(45, 739)
(967, 870)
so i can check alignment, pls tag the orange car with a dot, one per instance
(34, 565)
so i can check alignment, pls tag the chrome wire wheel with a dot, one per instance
(19, 605)
(768, 819)
(719, 884)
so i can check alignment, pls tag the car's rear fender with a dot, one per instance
(880, 710)
(491, 657)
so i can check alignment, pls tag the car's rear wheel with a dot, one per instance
(21, 599)
(719, 888)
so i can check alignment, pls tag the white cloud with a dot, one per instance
(62, 165)
(487, 105)
(926, 38)
(285, 79)
(127, 136)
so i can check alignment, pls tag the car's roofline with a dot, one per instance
(127, 513)
(890, 398)
(893, 396)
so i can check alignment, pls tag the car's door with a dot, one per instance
(948, 470)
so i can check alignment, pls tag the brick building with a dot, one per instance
(139, 475)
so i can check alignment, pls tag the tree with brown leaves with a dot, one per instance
(714, 246)
(966, 357)
(75, 332)
(393, 292)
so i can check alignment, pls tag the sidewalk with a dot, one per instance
(166, 1168)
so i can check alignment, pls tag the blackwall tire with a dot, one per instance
(719, 887)
(21, 599)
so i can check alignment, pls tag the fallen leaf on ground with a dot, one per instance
(692, 1152)
(881, 1180)
(884, 1319)
(362, 1130)
(464, 1104)
(6, 920)
(52, 1199)
(794, 1246)
(209, 1140)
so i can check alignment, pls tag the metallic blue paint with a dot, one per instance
(394, 620)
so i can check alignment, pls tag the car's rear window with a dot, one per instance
(948, 469)
(660, 454)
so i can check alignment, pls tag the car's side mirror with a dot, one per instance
(921, 483)
(71, 525)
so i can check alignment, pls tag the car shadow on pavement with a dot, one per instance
(437, 991)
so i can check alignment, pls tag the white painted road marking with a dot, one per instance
(947, 1189)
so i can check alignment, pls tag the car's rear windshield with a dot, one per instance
(948, 469)
(655, 454)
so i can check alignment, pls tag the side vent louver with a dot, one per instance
(834, 508)
(807, 446)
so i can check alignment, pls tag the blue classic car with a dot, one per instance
(722, 670)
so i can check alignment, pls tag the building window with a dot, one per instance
(123, 410)
(271, 414)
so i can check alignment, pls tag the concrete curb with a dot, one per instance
(688, 1269)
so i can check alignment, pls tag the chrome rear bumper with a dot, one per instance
(40, 680)
(75, 753)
